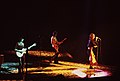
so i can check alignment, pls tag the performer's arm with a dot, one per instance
(22, 50)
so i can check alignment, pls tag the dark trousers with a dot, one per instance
(56, 58)
(21, 65)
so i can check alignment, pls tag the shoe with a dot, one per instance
(91, 67)
(55, 62)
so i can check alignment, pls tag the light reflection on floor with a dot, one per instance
(91, 73)
(67, 69)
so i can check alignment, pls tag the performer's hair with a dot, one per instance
(54, 33)
(20, 38)
(91, 34)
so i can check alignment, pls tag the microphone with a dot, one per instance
(98, 38)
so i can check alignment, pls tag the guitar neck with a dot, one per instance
(29, 47)
(63, 39)
(32, 46)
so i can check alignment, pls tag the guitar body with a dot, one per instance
(23, 51)
(20, 54)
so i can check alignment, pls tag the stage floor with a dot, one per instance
(42, 69)
(63, 69)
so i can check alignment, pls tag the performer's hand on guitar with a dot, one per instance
(22, 50)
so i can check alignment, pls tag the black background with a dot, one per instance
(74, 19)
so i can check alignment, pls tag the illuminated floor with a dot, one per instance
(66, 69)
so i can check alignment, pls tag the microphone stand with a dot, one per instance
(97, 54)
(98, 50)
(26, 59)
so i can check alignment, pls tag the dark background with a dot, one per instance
(36, 20)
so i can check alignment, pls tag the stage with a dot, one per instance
(39, 67)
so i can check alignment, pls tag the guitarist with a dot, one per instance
(55, 44)
(18, 48)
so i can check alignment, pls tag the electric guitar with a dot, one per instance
(23, 51)
(59, 43)
(62, 41)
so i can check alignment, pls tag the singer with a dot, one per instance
(92, 44)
